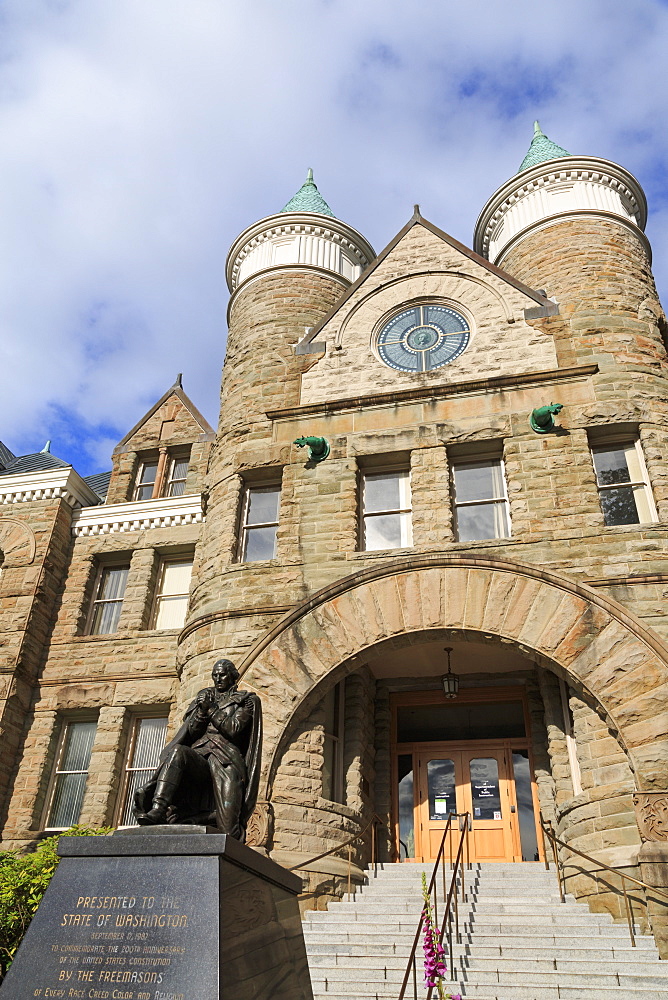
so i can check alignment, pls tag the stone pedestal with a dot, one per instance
(653, 861)
(164, 913)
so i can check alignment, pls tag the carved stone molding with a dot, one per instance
(260, 825)
(652, 815)
(17, 542)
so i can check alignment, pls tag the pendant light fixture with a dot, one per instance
(450, 681)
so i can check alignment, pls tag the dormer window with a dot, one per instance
(176, 480)
(145, 482)
(164, 476)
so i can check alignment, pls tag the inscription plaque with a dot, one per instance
(137, 917)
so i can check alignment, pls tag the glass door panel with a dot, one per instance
(487, 794)
(525, 805)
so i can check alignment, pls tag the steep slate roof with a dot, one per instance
(39, 461)
(6, 456)
(309, 199)
(541, 149)
(99, 483)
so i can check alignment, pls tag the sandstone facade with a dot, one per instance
(566, 608)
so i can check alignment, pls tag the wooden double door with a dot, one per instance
(492, 784)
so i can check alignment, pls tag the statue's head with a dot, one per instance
(224, 675)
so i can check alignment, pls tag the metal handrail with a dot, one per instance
(449, 896)
(548, 832)
(374, 822)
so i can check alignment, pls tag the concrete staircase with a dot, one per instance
(519, 942)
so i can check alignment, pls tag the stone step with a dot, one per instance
(543, 948)
(470, 991)
(325, 982)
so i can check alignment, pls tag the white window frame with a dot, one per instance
(169, 481)
(56, 769)
(483, 459)
(630, 443)
(159, 597)
(135, 723)
(96, 600)
(245, 528)
(405, 511)
(336, 741)
(138, 485)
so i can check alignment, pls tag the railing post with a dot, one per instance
(629, 913)
(349, 864)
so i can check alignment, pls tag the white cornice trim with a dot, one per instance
(547, 177)
(137, 515)
(554, 220)
(55, 484)
(294, 224)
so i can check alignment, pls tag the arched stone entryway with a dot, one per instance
(587, 638)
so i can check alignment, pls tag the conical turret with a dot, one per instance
(541, 150)
(552, 184)
(303, 234)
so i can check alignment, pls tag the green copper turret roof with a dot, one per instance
(308, 199)
(541, 149)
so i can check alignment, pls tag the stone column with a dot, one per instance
(430, 490)
(139, 591)
(26, 813)
(104, 770)
(652, 817)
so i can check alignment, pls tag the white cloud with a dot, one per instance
(140, 136)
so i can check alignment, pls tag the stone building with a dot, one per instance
(443, 502)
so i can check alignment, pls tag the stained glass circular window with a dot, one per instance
(423, 338)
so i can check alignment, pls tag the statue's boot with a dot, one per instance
(162, 800)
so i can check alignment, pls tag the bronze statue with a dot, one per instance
(210, 771)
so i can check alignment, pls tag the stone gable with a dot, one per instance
(423, 266)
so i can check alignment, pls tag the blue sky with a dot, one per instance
(139, 137)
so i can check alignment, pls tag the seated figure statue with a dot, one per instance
(209, 773)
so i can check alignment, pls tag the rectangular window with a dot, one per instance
(147, 741)
(259, 523)
(623, 483)
(333, 784)
(109, 593)
(386, 510)
(145, 482)
(176, 480)
(171, 601)
(480, 500)
(70, 774)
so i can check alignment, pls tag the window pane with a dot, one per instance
(382, 532)
(406, 807)
(478, 481)
(78, 746)
(619, 505)
(260, 543)
(105, 617)
(149, 742)
(112, 583)
(382, 491)
(441, 786)
(180, 468)
(528, 837)
(67, 800)
(148, 472)
(611, 466)
(482, 521)
(263, 507)
(176, 577)
(485, 791)
(144, 492)
(171, 612)
(177, 489)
